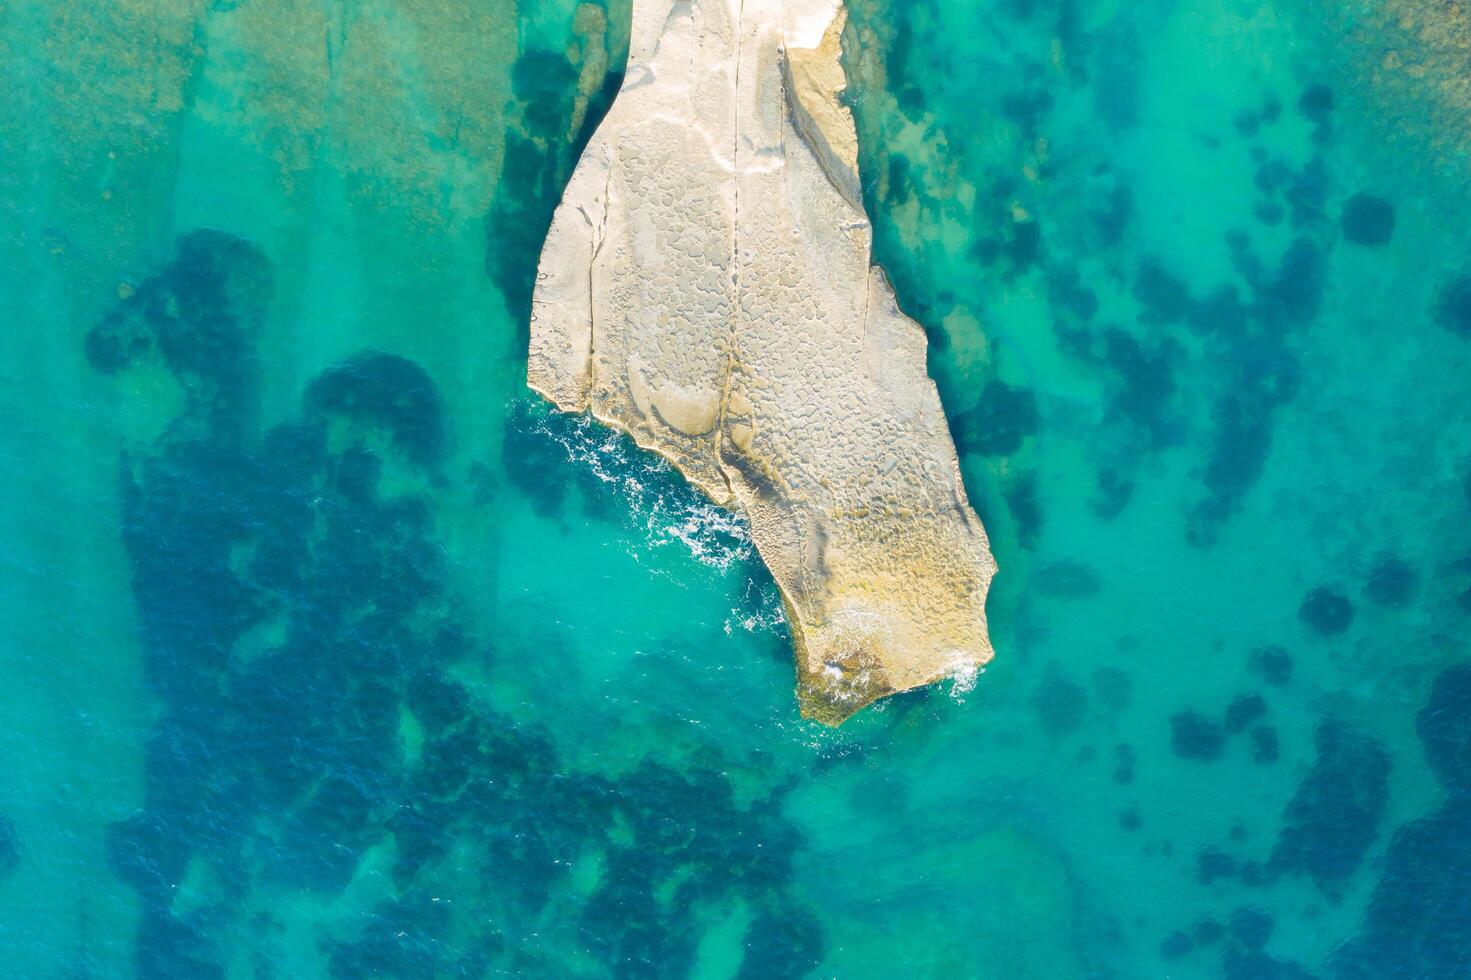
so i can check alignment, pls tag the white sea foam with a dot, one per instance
(666, 509)
(963, 676)
(761, 612)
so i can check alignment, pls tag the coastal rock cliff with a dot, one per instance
(707, 287)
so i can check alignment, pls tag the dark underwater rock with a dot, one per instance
(1252, 346)
(1023, 500)
(1175, 945)
(1251, 927)
(1391, 583)
(1271, 176)
(1264, 745)
(1244, 958)
(1295, 294)
(1316, 103)
(1254, 874)
(1306, 193)
(1239, 964)
(1194, 736)
(387, 392)
(1123, 771)
(1268, 213)
(202, 315)
(1026, 108)
(1066, 291)
(1067, 580)
(1267, 377)
(537, 162)
(535, 463)
(322, 842)
(785, 944)
(1112, 215)
(1249, 122)
(1221, 313)
(1243, 710)
(1327, 611)
(1272, 663)
(1212, 864)
(9, 849)
(1444, 727)
(1418, 924)
(1367, 220)
(1146, 385)
(1452, 309)
(1334, 815)
(1164, 297)
(1025, 244)
(148, 855)
(1060, 703)
(998, 423)
(176, 946)
(285, 766)
(1114, 491)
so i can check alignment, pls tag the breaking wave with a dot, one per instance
(666, 508)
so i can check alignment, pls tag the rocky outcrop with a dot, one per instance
(707, 287)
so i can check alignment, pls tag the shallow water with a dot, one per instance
(330, 652)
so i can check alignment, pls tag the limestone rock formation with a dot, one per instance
(707, 287)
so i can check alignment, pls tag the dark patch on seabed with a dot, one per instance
(295, 610)
(538, 161)
(1419, 920)
(1335, 813)
(9, 848)
(1248, 337)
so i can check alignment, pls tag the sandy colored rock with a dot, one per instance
(707, 287)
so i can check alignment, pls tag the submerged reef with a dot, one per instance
(1334, 815)
(707, 287)
(304, 632)
(1418, 923)
(9, 849)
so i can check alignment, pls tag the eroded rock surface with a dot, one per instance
(707, 287)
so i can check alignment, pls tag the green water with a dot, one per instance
(330, 652)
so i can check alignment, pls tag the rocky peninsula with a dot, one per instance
(707, 287)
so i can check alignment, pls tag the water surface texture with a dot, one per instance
(329, 651)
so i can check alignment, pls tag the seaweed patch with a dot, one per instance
(296, 609)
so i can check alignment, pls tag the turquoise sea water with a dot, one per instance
(329, 652)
